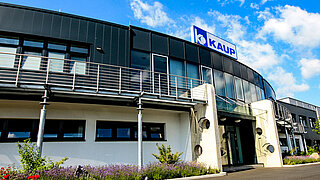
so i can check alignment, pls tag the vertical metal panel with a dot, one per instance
(250, 75)
(141, 40)
(56, 26)
(227, 65)
(205, 57)
(244, 74)
(27, 21)
(6, 18)
(177, 48)
(122, 47)
(37, 23)
(83, 30)
(216, 61)
(65, 28)
(160, 44)
(192, 53)
(114, 45)
(17, 24)
(106, 44)
(98, 42)
(91, 32)
(236, 68)
(46, 24)
(74, 29)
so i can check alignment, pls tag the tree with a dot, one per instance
(317, 126)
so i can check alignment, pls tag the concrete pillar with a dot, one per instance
(206, 138)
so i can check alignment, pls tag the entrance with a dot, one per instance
(237, 142)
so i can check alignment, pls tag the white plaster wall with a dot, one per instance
(265, 119)
(177, 133)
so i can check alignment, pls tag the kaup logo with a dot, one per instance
(200, 36)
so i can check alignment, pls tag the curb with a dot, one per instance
(202, 177)
(298, 165)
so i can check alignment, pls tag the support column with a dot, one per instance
(140, 150)
(42, 120)
(294, 140)
(288, 140)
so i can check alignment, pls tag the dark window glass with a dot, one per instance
(31, 60)
(217, 61)
(312, 122)
(239, 88)
(33, 43)
(229, 85)
(205, 57)
(193, 72)
(191, 53)
(263, 94)
(260, 82)
(250, 75)
(160, 63)
(78, 49)
(56, 46)
(140, 60)
(73, 129)
(51, 129)
(207, 75)
(9, 40)
(227, 65)
(294, 117)
(160, 44)
(283, 142)
(219, 83)
(253, 92)
(244, 73)
(177, 68)
(140, 40)
(247, 92)
(128, 131)
(270, 94)
(21, 128)
(259, 97)
(303, 120)
(236, 68)
(176, 48)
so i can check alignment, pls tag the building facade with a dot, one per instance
(209, 106)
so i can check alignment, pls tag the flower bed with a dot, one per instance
(292, 160)
(125, 172)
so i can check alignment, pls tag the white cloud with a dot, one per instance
(152, 15)
(310, 67)
(286, 82)
(256, 55)
(264, 15)
(264, 1)
(294, 26)
(224, 2)
(254, 6)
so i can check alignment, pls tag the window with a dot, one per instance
(294, 117)
(56, 65)
(303, 120)
(177, 69)
(193, 72)
(247, 92)
(31, 61)
(207, 74)
(8, 45)
(64, 130)
(219, 83)
(33, 43)
(78, 65)
(312, 122)
(160, 77)
(229, 85)
(9, 40)
(57, 46)
(18, 129)
(239, 88)
(128, 131)
(259, 97)
(283, 142)
(253, 92)
(140, 60)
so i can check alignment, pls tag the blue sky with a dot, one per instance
(280, 39)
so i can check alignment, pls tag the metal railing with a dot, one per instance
(73, 75)
(298, 128)
(282, 115)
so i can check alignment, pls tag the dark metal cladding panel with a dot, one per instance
(160, 44)
(122, 48)
(98, 42)
(17, 24)
(106, 44)
(227, 65)
(177, 48)
(216, 61)
(192, 53)
(141, 40)
(205, 57)
(27, 21)
(91, 32)
(244, 73)
(37, 23)
(46, 24)
(65, 28)
(56, 26)
(250, 75)
(83, 30)
(256, 78)
(114, 45)
(6, 18)
(74, 29)
(236, 68)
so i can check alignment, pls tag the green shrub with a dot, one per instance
(166, 156)
(30, 159)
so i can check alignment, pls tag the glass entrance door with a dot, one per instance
(160, 74)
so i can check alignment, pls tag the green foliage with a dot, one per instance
(166, 156)
(30, 159)
(317, 126)
(312, 149)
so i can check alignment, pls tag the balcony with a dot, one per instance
(298, 128)
(65, 75)
(282, 115)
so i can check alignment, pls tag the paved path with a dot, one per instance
(290, 173)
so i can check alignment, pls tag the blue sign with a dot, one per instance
(209, 40)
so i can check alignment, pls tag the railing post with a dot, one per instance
(74, 75)
(140, 81)
(48, 69)
(120, 77)
(168, 81)
(153, 79)
(176, 82)
(159, 86)
(191, 93)
(98, 78)
(18, 70)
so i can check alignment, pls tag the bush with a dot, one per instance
(166, 155)
(30, 159)
(292, 160)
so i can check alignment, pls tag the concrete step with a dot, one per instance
(241, 167)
